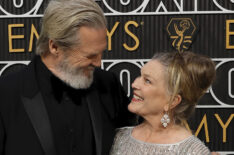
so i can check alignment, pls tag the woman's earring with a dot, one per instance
(165, 120)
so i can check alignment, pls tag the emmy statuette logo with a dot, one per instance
(181, 32)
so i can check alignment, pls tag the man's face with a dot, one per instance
(77, 65)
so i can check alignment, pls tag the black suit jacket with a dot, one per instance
(24, 124)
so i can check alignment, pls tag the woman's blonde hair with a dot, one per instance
(189, 75)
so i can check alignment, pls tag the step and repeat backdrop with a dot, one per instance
(136, 30)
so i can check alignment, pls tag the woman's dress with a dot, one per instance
(125, 144)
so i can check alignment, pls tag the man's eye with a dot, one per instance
(91, 56)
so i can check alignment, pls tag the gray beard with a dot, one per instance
(74, 77)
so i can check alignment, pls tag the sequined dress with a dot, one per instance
(125, 144)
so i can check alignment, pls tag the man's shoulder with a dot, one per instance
(9, 89)
(102, 73)
(10, 79)
(10, 85)
(105, 80)
(14, 78)
(104, 76)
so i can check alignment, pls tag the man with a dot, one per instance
(61, 103)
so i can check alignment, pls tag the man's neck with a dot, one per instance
(50, 62)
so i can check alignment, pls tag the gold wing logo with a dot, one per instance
(181, 32)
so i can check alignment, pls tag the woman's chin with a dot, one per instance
(134, 107)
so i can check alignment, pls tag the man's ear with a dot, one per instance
(53, 48)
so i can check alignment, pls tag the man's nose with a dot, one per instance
(97, 61)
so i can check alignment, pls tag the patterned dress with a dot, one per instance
(125, 144)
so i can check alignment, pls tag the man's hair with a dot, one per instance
(189, 75)
(62, 20)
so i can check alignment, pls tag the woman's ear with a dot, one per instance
(53, 48)
(176, 100)
(166, 107)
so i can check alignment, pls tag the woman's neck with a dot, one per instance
(158, 128)
(154, 132)
(153, 123)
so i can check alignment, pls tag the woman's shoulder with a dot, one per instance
(122, 133)
(196, 146)
(124, 130)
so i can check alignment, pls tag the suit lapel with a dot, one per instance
(37, 113)
(95, 113)
(35, 108)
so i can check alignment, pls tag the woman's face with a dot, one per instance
(150, 96)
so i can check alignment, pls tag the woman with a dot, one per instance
(165, 96)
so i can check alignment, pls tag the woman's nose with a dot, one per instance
(135, 84)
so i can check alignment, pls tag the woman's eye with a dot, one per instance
(147, 81)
